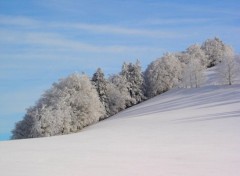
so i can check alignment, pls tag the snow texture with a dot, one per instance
(183, 132)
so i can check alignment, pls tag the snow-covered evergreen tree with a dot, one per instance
(163, 74)
(100, 83)
(70, 105)
(133, 75)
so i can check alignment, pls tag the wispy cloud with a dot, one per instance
(59, 41)
(220, 8)
(177, 21)
(19, 21)
(110, 29)
(95, 28)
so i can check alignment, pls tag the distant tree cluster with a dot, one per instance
(78, 101)
(186, 68)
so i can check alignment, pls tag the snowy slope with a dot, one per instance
(212, 75)
(184, 132)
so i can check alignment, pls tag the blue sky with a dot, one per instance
(42, 41)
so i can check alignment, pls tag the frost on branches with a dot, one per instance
(214, 49)
(228, 68)
(195, 64)
(116, 101)
(100, 84)
(163, 74)
(113, 93)
(67, 107)
(132, 73)
(121, 85)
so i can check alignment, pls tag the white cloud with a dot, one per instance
(59, 41)
(204, 8)
(110, 29)
(182, 21)
(95, 28)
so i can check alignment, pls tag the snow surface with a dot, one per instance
(212, 77)
(184, 132)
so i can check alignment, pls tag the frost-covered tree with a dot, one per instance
(228, 68)
(70, 105)
(82, 98)
(194, 65)
(100, 83)
(194, 50)
(29, 127)
(197, 53)
(134, 78)
(116, 101)
(182, 57)
(214, 49)
(163, 74)
(193, 73)
(122, 85)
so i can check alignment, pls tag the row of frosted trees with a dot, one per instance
(78, 101)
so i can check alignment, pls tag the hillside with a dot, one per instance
(183, 132)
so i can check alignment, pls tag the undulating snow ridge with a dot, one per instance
(184, 132)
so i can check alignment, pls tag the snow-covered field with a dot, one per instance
(184, 132)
